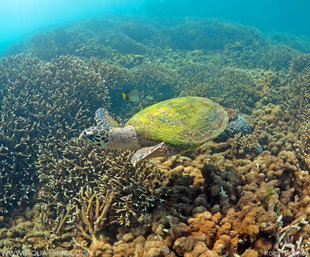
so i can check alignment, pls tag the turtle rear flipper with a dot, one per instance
(104, 119)
(144, 152)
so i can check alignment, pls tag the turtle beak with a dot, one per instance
(87, 136)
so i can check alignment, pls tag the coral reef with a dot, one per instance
(41, 101)
(93, 188)
(302, 144)
(117, 39)
(231, 87)
(300, 94)
(248, 144)
(299, 64)
(92, 215)
(211, 34)
(281, 57)
(247, 195)
(154, 83)
(135, 190)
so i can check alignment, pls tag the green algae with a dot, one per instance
(183, 122)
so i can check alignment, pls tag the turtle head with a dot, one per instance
(114, 138)
(108, 135)
(97, 136)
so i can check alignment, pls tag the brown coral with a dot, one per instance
(54, 100)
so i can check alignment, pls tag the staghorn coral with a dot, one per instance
(210, 34)
(138, 29)
(125, 45)
(64, 174)
(154, 83)
(254, 200)
(300, 103)
(116, 38)
(17, 155)
(280, 57)
(100, 38)
(273, 87)
(91, 211)
(296, 42)
(244, 55)
(299, 86)
(299, 64)
(73, 40)
(273, 125)
(59, 89)
(48, 233)
(302, 144)
(231, 87)
(242, 145)
(41, 101)
(102, 171)
(289, 243)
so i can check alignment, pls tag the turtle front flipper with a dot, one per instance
(104, 119)
(144, 152)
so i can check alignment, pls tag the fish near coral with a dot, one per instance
(131, 95)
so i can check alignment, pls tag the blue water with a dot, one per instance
(22, 18)
(280, 15)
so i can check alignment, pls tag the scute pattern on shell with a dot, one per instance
(182, 122)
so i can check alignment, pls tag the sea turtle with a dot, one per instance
(163, 129)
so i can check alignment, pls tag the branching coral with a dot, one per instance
(41, 101)
(299, 64)
(68, 171)
(280, 57)
(242, 145)
(91, 199)
(288, 243)
(299, 85)
(154, 83)
(231, 87)
(49, 232)
(300, 94)
(211, 34)
(302, 143)
(91, 212)
(105, 188)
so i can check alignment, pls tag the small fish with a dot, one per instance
(131, 95)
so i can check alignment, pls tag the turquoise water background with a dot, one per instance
(22, 18)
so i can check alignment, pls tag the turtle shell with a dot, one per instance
(183, 122)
